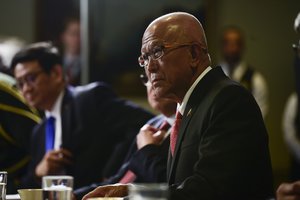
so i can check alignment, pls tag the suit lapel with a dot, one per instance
(194, 101)
(173, 159)
(66, 117)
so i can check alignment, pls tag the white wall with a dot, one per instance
(17, 19)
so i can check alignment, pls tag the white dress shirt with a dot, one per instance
(56, 113)
(181, 107)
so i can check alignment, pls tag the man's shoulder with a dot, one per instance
(216, 84)
(92, 89)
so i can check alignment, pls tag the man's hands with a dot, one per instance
(117, 190)
(149, 135)
(53, 162)
(288, 191)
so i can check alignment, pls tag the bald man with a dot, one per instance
(221, 149)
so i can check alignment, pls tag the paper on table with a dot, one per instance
(13, 197)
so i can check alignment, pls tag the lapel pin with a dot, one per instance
(189, 113)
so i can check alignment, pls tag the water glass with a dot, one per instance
(3, 182)
(153, 191)
(57, 187)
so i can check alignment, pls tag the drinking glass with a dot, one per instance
(3, 182)
(57, 187)
(153, 191)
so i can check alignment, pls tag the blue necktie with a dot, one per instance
(50, 133)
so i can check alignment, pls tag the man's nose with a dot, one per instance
(25, 87)
(152, 65)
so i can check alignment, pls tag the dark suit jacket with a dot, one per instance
(149, 163)
(94, 122)
(222, 147)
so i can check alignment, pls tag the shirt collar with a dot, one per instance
(171, 119)
(55, 111)
(181, 107)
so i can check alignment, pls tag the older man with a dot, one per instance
(219, 144)
(83, 126)
(220, 150)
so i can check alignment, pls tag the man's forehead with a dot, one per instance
(162, 34)
(26, 67)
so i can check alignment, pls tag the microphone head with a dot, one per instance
(297, 23)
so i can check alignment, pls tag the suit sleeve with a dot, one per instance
(123, 119)
(150, 163)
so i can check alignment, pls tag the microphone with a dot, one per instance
(297, 23)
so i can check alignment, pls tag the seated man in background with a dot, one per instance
(82, 126)
(17, 120)
(219, 143)
(146, 161)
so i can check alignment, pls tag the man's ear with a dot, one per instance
(57, 72)
(196, 53)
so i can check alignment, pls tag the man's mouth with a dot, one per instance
(154, 78)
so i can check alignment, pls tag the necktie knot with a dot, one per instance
(51, 120)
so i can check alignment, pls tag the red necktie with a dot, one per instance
(174, 132)
(129, 176)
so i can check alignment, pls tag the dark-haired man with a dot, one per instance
(82, 127)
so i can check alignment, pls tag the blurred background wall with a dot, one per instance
(268, 26)
(117, 27)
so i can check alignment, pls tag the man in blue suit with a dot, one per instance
(87, 125)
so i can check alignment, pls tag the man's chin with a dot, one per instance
(159, 92)
(163, 93)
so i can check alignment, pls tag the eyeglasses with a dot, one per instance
(158, 52)
(29, 79)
